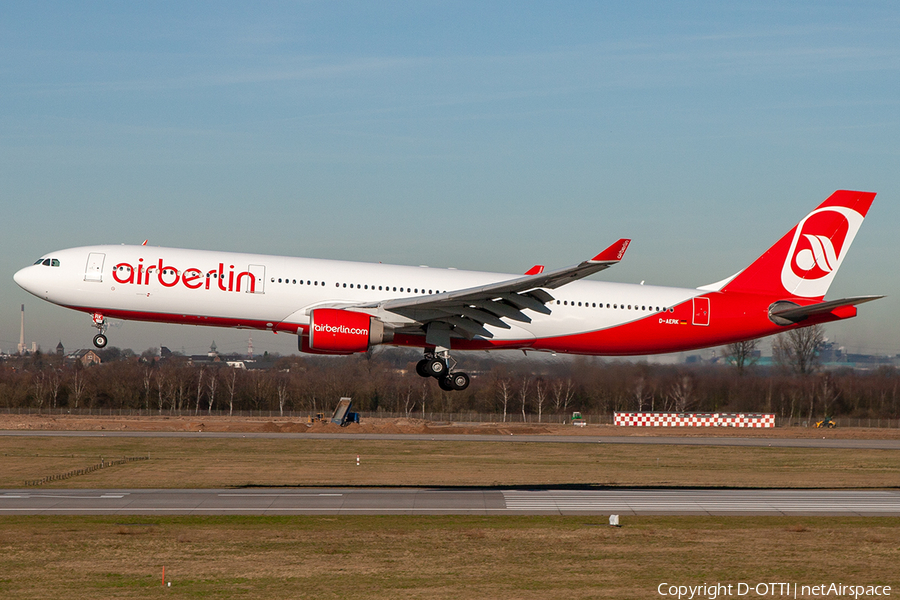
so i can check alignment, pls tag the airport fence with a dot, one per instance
(431, 416)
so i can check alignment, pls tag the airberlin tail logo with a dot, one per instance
(820, 242)
(820, 255)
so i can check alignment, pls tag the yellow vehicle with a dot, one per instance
(826, 423)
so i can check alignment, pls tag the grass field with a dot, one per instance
(214, 463)
(432, 557)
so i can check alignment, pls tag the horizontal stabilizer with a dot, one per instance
(785, 313)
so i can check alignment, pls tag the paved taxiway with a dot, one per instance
(546, 439)
(431, 501)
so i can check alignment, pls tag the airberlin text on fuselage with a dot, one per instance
(192, 278)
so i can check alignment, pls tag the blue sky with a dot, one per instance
(477, 135)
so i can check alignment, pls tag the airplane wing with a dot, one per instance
(794, 314)
(467, 311)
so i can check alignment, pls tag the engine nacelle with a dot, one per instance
(336, 331)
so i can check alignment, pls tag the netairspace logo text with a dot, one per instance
(771, 590)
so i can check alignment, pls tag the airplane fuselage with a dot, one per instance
(340, 307)
(277, 293)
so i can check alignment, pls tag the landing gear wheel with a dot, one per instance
(100, 340)
(435, 367)
(422, 368)
(459, 381)
(446, 383)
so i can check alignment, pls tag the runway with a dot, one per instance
(438, 501)
(538, 439)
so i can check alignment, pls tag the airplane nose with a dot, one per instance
(26, 279)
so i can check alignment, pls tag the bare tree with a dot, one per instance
(523, 394)
(409, 404)
(281, 389)
(230, 384)
(180, 389)
(79, 381)
(53, 382)
(148, 373)
(199, 390)
(742, 354)
(161, 385)
(829, 394)
(798, 349)
(640, 392)
(540, 391)
(503, 389)
(40, 383)
(424, 397)
(211, 386)
(562, 394)
(681, 393)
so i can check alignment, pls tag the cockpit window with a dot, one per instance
(38, 261)
(54, 262)
(46, 262)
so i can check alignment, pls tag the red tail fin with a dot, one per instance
(804, 261)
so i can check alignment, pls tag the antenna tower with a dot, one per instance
(22, 333)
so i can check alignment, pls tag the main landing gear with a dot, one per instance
(100, 323)
(437, 364)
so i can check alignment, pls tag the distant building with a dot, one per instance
(205, 359)
(86, 357)
(60, 350)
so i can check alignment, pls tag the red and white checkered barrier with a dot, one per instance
(660, 419)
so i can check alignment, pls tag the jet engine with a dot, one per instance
(336, 331)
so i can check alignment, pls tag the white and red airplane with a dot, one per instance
(338, 307)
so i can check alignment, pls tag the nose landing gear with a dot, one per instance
(437, 364)
(100, 340)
